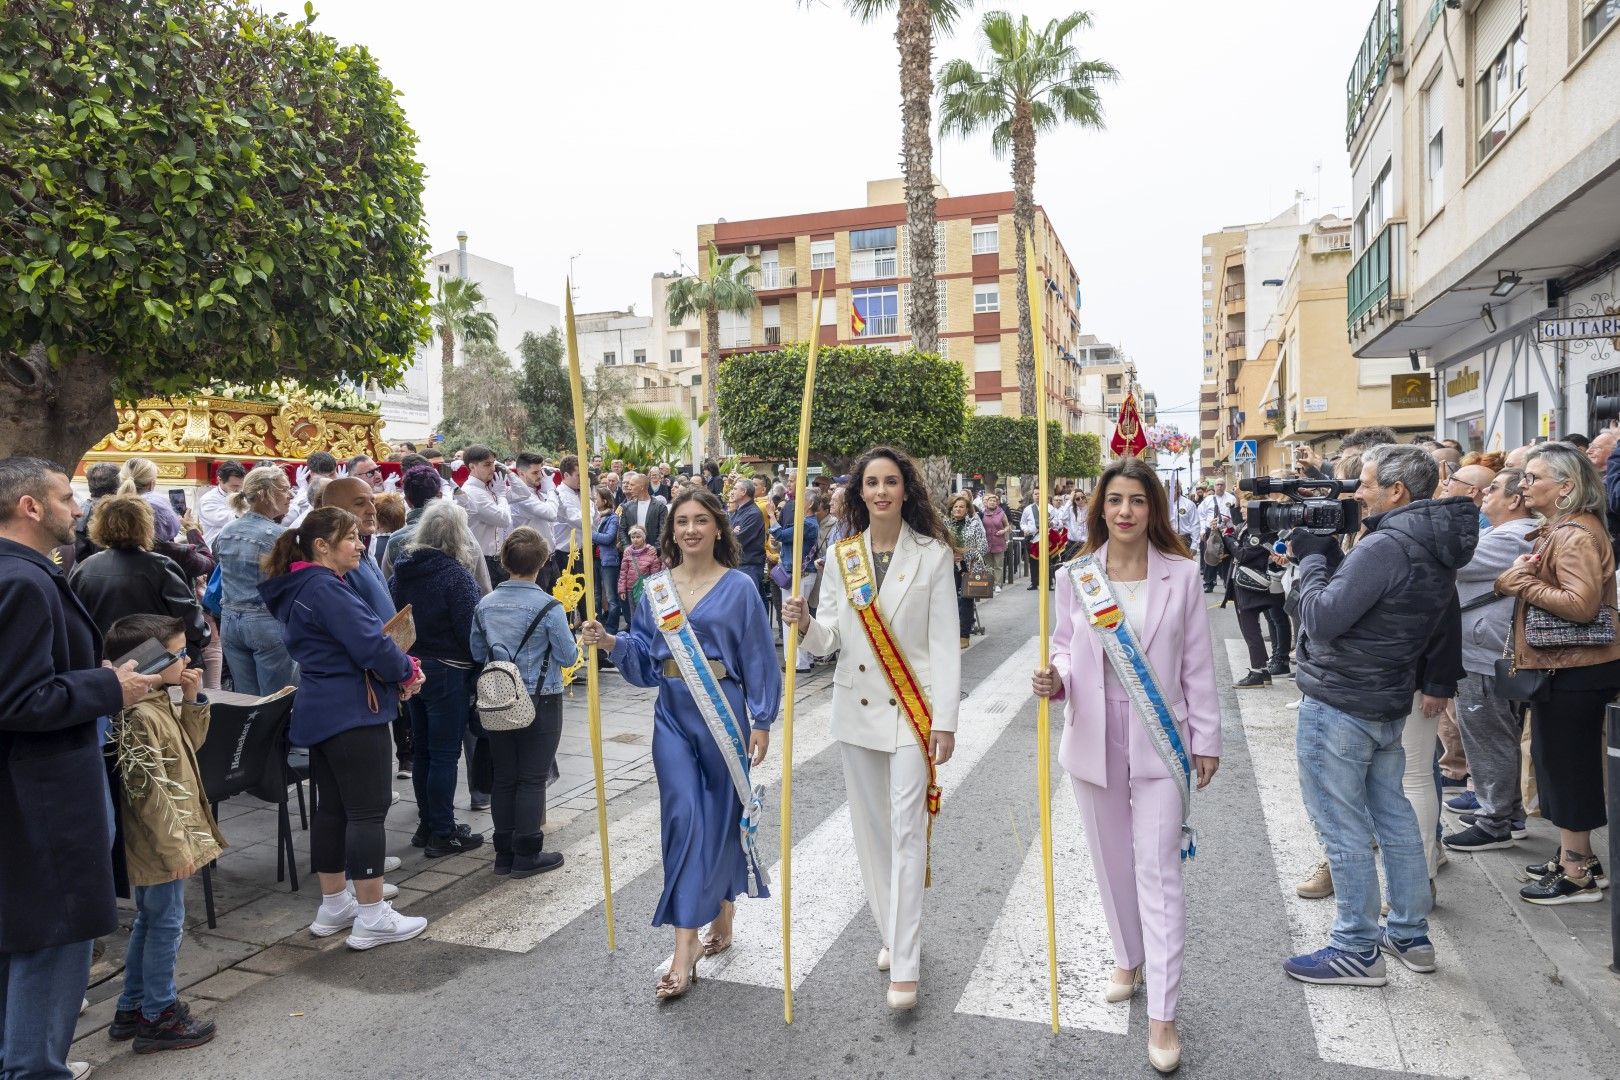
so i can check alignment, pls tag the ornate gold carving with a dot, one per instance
(569, 591)
(211, 426)
(243, 435)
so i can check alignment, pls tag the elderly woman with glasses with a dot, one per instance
(1564, 590)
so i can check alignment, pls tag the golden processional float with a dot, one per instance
(186, 437)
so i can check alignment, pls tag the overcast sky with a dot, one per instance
(612, 129)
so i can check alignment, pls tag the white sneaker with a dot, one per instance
(389, 891)
(390, 863)
(388, 927)
(326, 924)
(78, 1070)
(1293, 704)
(394, 800)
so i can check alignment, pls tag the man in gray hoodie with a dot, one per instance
(1491, 725)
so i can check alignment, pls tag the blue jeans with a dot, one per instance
(1350, 773)
(438, 720)
(256, 653)
(154, 946)
(40, 994)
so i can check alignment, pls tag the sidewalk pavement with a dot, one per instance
(262, 929)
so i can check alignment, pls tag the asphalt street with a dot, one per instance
(515, 978)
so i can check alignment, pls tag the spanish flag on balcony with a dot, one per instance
(857, 323)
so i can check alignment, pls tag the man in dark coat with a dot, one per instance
(749, 525)
(56, 820)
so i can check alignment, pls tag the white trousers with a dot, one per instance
(1419, 738)
(888, 806)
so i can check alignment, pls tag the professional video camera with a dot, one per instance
(1311, 508)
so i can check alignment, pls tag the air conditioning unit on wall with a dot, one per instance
(751, 250)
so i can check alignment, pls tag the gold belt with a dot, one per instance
(672, 670)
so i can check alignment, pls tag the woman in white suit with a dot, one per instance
(1130, 776)
(898, 564)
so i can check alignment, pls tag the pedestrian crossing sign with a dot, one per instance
(1245, 450)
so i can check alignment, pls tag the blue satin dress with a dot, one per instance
(703, 856)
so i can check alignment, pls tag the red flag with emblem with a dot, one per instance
(1129, 438)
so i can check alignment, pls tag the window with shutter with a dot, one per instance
(1502, 54)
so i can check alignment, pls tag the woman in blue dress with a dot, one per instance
(705, 867)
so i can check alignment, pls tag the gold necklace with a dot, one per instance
(1129, 587)
(696, 586)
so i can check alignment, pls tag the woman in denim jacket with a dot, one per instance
(523, 757)
(254, 649)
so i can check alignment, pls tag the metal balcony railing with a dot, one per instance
(1380, 47)
(1380, 274)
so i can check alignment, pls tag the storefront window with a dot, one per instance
(1471, 433)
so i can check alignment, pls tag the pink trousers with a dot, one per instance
(1133, 828)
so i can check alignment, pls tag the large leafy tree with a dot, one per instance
(723, 286)
(1082, 455)
(459, 315)
(193, 192)
(916, 23)
(1031, 81)
(865, 395)
(543, 389)
(483, 402)
(995, 446)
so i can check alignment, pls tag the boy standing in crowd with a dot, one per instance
(169, 832)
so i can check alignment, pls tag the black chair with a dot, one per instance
(246, 753)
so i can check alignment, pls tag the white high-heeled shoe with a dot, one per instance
(1165, 1061)
(1115, 992)
(883, 958)
(902, 1000)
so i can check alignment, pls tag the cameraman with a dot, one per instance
(1366, 629)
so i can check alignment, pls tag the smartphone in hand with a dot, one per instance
(150, 657)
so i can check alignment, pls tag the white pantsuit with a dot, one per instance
(885, 771)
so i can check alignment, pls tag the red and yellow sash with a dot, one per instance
(860, 588)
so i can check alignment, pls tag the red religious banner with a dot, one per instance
(1129, 438)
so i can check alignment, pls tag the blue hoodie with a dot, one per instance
(337, 640)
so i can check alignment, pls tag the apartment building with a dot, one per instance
(858, 259)
(1212, 255)
(1484, 138)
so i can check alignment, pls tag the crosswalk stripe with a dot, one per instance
(827, 890)
(1009, 982)
(521, 914)
(1435, 1024)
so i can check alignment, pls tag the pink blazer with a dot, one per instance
(1176, 639)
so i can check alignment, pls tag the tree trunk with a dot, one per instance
(711, 374)
(1024, 225)
(915, 38)
(937, 475)
(447, 364)
(55, 413)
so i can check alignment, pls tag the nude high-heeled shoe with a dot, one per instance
(883, 958)
(1115, 992)
(1165, 1061)
(902, 1000)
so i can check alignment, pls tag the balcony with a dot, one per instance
(772, 276)
(1236, 339)
(1380, 47)
(1233, 292)
(1378, 280)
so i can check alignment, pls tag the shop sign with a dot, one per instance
(1316, 404)
(1584, 328)
(1413, 391)
(1466, 381)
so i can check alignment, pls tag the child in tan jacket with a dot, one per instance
(169, 833)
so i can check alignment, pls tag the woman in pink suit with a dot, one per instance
(1130, 801)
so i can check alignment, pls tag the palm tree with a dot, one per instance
(656, 435)
(1031, 82)
(916, 23)
(458, 315)
(725, 287)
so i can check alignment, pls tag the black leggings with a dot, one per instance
(351, 776)
(522, 762)
(1281, 632)
(964, 608)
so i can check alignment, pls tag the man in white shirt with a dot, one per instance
(483, 496)
(318, 466)
(1029, 524)
(1187, 519)
(214, 510)
(568, 514)
(1217, 511)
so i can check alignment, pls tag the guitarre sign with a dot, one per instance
(1585, 328)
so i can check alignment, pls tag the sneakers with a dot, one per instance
(125, 1025)
(421, 836)
(1296, 703)
(389, 891)
(1319, 885)
(455, 843)
(1559, 888)
(1516, 828)
(78, 1070)
(1335, 967)
(1416, 953)
(1279, 669)
(529, 865)
(174, 1029)
(404, 771)
(384, 928)
(1475, 838)
(328, 922)
(1465, 802)
(1253, 679)
(1536, 871)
